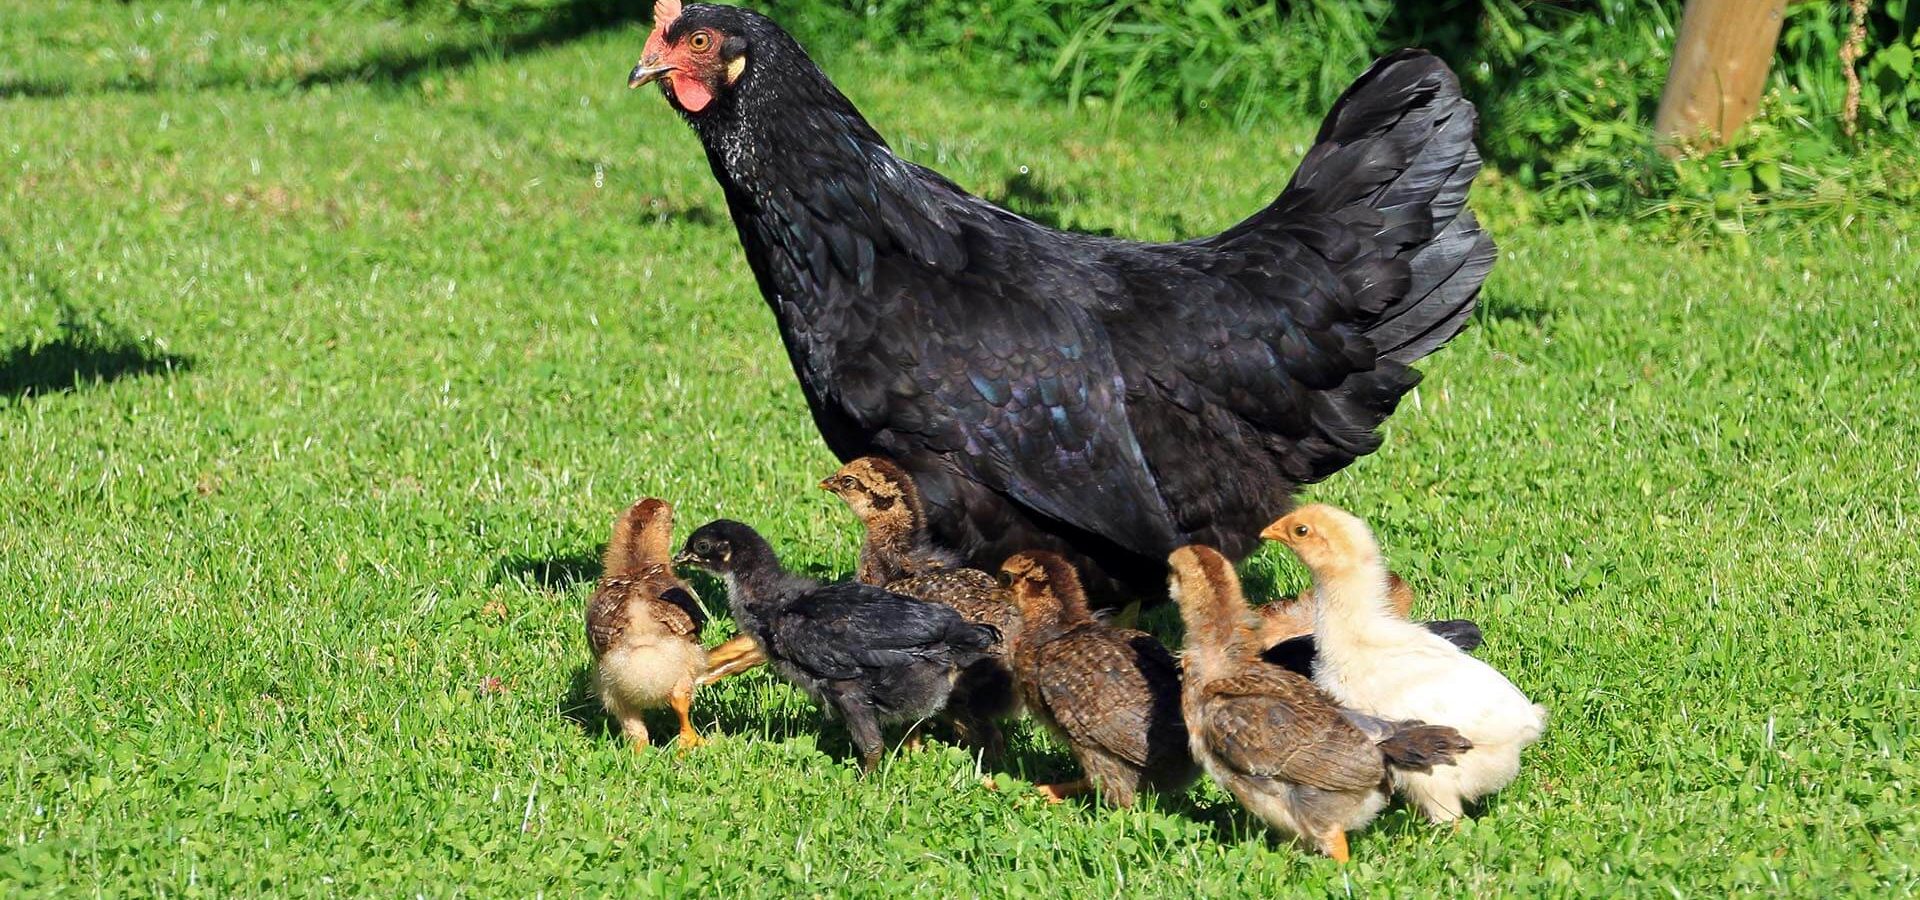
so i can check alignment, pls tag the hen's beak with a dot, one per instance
(646, 71)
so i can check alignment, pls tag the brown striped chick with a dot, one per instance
(888, 503)
(643, 625)
(1284, 748)
(1112, 694)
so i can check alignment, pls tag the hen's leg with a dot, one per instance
(635, 728)
(731, 657)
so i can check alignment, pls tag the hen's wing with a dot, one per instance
(1280, 726)
(941, 327)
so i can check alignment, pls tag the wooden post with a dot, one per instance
(1719, 69)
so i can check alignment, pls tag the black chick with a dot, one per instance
(869, 654)
(1113, 694)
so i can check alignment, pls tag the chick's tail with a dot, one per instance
(1418, 748)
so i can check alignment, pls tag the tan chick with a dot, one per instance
(1112, 694)
(1279, 745)
(643, 624)
(1376, 662)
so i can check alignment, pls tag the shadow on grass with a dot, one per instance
(70, 363)
(1034, 198)
(530, 33)
(514, 35)
(554, 574)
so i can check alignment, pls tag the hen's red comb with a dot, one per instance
(664, 12)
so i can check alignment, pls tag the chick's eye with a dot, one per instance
(1300, 530)
(700, 41)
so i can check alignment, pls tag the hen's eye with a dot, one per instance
(700, 41)
(1300, 530)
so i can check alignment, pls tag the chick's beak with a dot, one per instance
(649, 69)
(826, 484)
(1273, 533)
(684, 558)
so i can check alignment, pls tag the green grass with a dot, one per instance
(368, 364)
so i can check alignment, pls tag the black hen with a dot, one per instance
(1105, 397)
(870, 655)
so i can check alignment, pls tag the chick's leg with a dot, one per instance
(682, 702)
(862, 727)
(1060, 791)
(635, 728)
(1334, 843)
(736, 655)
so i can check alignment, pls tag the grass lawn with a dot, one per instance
(375, 334)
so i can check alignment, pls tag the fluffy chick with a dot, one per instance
(1112, 694)
(1292, 617)
(1281, 746)
(899, 554)
(644, 626)
(888, 503)
(1379, 663)
(870, 655)
(1286, 626)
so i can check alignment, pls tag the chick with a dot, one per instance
(1281, 746)
(644, 626)
(1286, 626)
(1376, 662)
(1112, 694)
(870, 655)
(899, 554)
(887, 501)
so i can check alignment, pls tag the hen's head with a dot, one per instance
(1327, 539)
(701, 53)
(876, 490)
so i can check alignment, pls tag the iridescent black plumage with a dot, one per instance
(1109, 398)
(869, 654)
